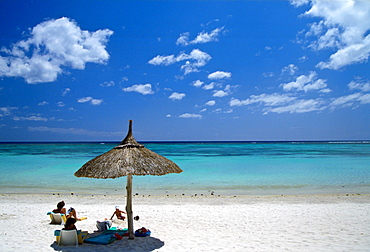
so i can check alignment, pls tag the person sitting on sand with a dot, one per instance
(70, 224)
(118, 213)
(70, 213)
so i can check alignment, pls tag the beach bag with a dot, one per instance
(103, 225)
(142, 232)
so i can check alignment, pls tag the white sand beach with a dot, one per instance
(201, 223)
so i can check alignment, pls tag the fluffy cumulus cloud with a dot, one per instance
(343, 27)
(188, 115)
(307, 83)
(140, 88)
(197, 83)
(203, 37)
(220, 93)
(211, 103)
(193, 61)
(91, 100)
(209, 86)
(176, 96)
(50, 46)
(290, 69)
(219, 75)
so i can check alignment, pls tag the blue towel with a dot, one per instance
(106, 237)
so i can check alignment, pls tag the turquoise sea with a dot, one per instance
(224, 168)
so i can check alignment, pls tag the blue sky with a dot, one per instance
(184, 70)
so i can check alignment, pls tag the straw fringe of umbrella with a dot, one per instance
(127, 161)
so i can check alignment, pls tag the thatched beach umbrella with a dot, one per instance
(127, 159)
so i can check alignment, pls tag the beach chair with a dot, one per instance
(68, 237)
(81, 235)
(57, 218)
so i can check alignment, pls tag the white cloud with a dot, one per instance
(43, 103)
(298, 3)
(299, 106)
(306, 83)
(303, 58)
(66, 91)
(91, 100)
(290, 69)
(219, 75)
(281, 103)
(220, 93)
(268, 74)
(108, 84)
(188, 115)
(360, 85)
(30, 118)
(203, 37)
(193, 61)
(6, 111)
(211, 103)
(364, 99)
(197, 83)
(140, 88)
(266, 99)
(176, 96)
(60, 104)
(345, 101)
(183, 39)
(344, 27)
(75, 131)
(51, 45)
(350, 100)
(209, 86)
(163, 60)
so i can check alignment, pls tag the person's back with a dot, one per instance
(60, 208)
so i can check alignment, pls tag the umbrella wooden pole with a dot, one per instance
(130, 220)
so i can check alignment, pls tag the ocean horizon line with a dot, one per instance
(196, 142)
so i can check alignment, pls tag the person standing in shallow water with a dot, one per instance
(71, 213)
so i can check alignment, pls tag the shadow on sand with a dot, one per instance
(139, 244)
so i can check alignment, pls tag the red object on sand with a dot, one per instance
(118, 236)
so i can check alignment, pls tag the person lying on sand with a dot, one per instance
(118, 213)
(70, 213)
